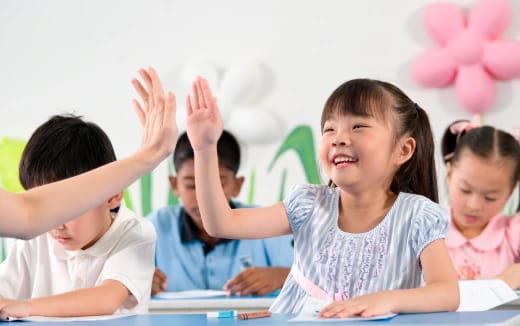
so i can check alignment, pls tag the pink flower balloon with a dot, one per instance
(469, 53)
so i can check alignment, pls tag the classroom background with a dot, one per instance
(272, 63)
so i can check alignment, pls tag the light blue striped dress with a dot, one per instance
(353, 264)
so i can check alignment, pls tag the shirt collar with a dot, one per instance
(103, 246)
(491, 237)
(189, 230)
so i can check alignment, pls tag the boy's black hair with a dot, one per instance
(228, 151)
(63, 147)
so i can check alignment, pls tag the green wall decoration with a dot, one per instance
(11, 153)
(251, 192)
(146, 194)
(301, 141)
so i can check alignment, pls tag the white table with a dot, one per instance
(203, 305)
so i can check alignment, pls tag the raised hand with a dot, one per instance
(156, 114)
(204, 122)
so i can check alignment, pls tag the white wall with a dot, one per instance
(63, 55)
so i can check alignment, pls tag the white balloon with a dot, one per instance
(254, 126)
(181, 118)
(191, 70)
(243, 83)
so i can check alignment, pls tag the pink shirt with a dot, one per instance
(488, 254)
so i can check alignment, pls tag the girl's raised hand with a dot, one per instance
(156, 114)
(204, 122)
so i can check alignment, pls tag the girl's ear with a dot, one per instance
(449, 171)
(406, 150)
(115, 201)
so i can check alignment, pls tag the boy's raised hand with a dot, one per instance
(204, 122)
(156, 114)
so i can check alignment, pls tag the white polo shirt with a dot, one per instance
(125, 253)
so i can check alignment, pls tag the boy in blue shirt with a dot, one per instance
(188, 258)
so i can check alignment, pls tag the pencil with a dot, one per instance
(253, 315)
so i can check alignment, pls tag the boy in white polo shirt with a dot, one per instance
(99, 263)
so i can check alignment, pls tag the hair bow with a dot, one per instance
(459, 128)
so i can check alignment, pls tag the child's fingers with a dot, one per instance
(158, 92)
(147, 79)
(239, 286)
(206, 94)
(140, 90)
(156, 81)
(170, 118)
(332, 309)
(200, 94)
(367, 313)
(252, 288)
(139, 111)
(264, 290)
(194, 98)
(4, 315)
(234, 281)
(189, 109)
(159, 274)
(149, 87)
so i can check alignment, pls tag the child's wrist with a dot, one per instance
(393, 298)
(28, 307)
(206, 150)
(148, 158)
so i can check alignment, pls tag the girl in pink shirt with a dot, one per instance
(483, 168)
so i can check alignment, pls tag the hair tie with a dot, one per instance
(460, 128)
(516, 133)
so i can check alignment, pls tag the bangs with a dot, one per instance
(357, 97)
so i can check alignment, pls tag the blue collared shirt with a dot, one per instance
(188, 263)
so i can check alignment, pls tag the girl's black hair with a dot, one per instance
(485, 142)
(368, 97)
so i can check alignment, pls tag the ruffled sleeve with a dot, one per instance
(430, 224)
(299, 204)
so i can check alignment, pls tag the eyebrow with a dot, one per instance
(467, 184)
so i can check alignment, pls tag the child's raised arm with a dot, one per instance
(28, 214)
(204, 126)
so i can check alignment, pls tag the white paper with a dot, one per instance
(190, 294)
(312, 307)
(481, 295)
(86, 318)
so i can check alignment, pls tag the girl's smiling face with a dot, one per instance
(360, 151)
(479, 188)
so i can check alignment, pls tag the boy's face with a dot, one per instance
(83, 231)
(183, 186)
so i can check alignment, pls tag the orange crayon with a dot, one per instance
(253, 315)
